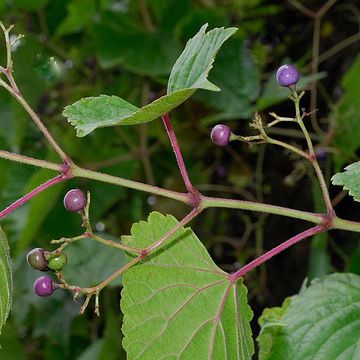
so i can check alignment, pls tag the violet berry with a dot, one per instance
(287, 75)
(36, 259)
(58, 262)
(74, 200)
(220, 135)
(44, 286)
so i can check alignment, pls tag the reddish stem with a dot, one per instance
(276, 250)
(31, 194)
(178, 154)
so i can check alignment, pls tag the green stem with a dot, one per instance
(89, 174)
(31, 161)
(113, 244)
(208, 202)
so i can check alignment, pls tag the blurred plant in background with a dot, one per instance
(79, 48)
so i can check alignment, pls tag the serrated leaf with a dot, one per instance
(188, 74)
(6, 285)
(349, 179)
(321, 323)
(178, 304)
(194, 64)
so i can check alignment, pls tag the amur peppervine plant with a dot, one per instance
(177, 303)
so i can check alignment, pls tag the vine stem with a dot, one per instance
(276, 250)
(31, 194)
(177, 151)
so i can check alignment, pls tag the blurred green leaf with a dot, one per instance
(322, 322)
(347, 116)
(92, 352)
(235, 73)
(80, 12)
(188, 74)
(90, 262)
(29, 5)
(177, 302)
(349, 179)
(118, 41)
(11, 346)
(6, 282)
(111, 348)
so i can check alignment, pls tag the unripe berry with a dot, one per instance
(44, 286)
(74, 200)
(287, 75)
(36, 259)
(58, 262)
(220, 135)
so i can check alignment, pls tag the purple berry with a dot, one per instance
(36, 259)
(74, 200)
(44, 286)
(287, 75)
(220, 135)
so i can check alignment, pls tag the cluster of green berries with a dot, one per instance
(286, 76)
(42, 260)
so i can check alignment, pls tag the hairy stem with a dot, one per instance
(276, 250)
(32, 161)
(33, 193)
(178, 154)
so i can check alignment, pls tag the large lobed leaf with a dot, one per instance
(178, 304)
(6, 286)
(188, 74)
(349, 179)
(321, 323)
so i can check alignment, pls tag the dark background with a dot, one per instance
(74, 49)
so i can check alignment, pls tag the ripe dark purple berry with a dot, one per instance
(44, 286)
(220, 135)
(287, 75)
(58, 262)
(74, 200)
(36, 259)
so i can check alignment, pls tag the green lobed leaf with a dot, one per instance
(188, 74)
(6, 283)
(321, 323)
(178, 304)
(349, 179)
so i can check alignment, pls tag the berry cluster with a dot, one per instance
(286, 76)
(42, 260)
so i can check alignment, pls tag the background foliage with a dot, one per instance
(83, 48)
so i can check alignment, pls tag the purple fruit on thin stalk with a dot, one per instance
(36, 259)
(220, 135)
(287, 75)
(75, 200)
(44, 286)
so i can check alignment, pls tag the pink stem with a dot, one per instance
(177, 151)
(31, 194)
(276, 250)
